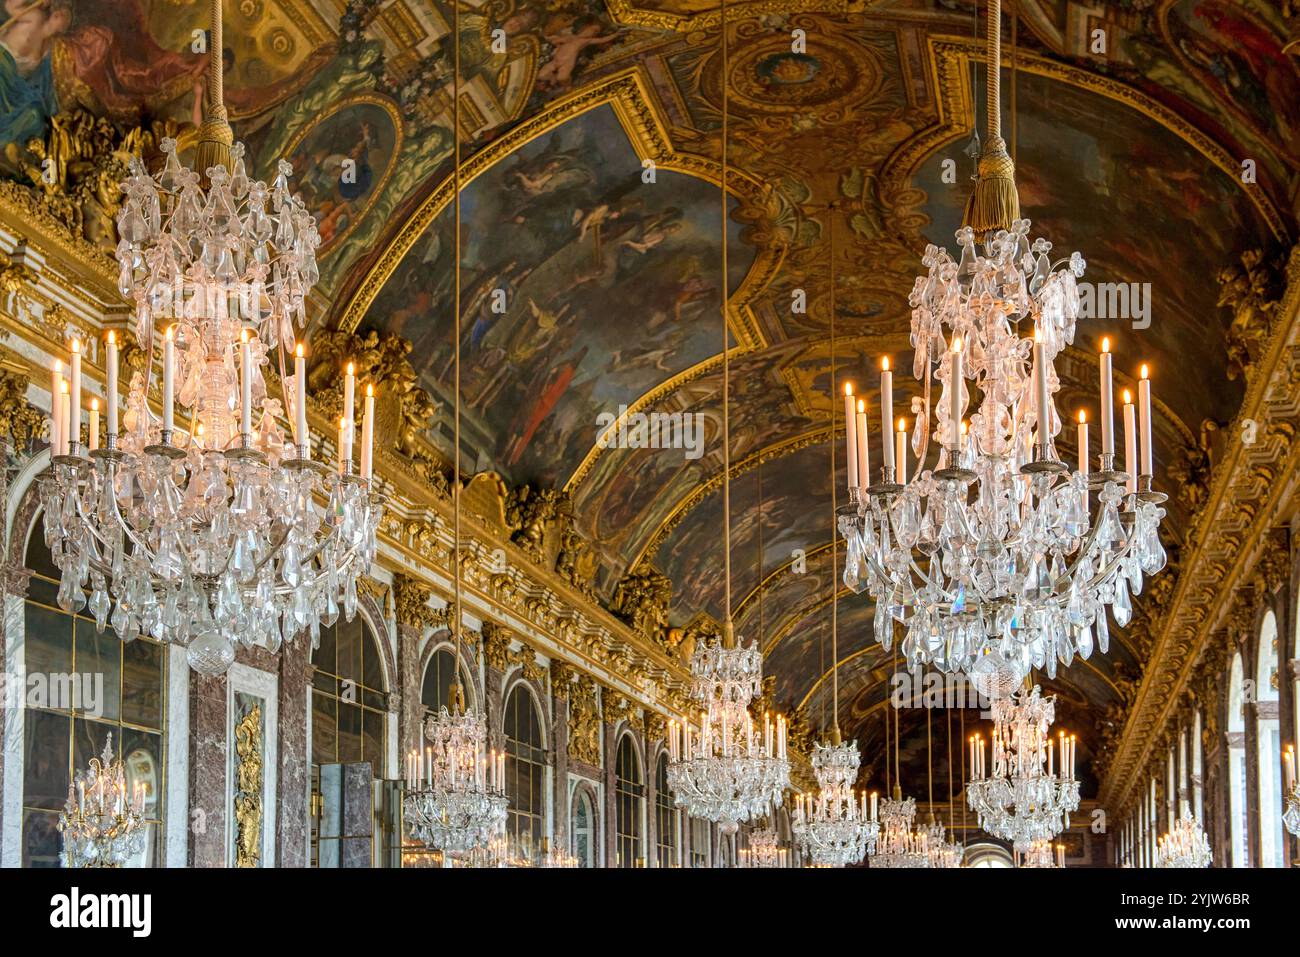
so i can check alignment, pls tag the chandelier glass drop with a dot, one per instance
(1291, 816)
(1022, 796)
(1040, 853)
(1187, 845)
(1000, 558)
(835, 827)
(102, 822)
(727, 771)
(212, 529)
(455, 791)
(899, 843)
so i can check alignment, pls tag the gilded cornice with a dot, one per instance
(1250, 492)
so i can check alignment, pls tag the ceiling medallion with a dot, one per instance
(215, 530)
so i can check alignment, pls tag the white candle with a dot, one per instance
(954, 399)
(864, 451)
(110, 391)
(875, 804)
(92, 437)
(343, 427)
(300, 402)
(886, 411)
(1083, 443)
(246, 384)
(349, 392)
(850, 435)
(1290, 768)
(169, 373)
(900, 451)
(1130, 442)
(74, 396)
(1040, 389)
(368, 434)
(1107, 401)
(1144, 419)
(64, 426)
(56, 390)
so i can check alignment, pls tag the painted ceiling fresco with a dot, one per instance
(1132, 155)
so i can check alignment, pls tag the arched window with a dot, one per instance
(525, 774)
(81, 686)
(628, 794)
(1237, 762)
(988, 855)
(1268, 736)
(582, 830)
(349, 697)
(435, 690)
(665, 816)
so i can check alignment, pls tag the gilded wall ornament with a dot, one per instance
(496, 645)
(584, 721)
(21, 424)
(1251, 290)
(411, 603)
(248, 787)
(642, 599)
(533, 515)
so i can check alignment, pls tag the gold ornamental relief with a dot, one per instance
(248, 785)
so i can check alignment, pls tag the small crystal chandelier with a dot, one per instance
(1022, 798)
(102, 823)
(995, 560)
(1040, 853)
(219, 531)
(455, 790)
(942, 852)
(1291, 817)
(899, 844)
(458, 803)
(1187, 845)
(556, 857)
(726, 772)
(834, 827)
(764, 849)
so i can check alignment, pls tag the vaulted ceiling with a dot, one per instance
(1133, 154)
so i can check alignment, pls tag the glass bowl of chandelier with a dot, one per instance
(999, 558)
(203, 525)
(1022, 795)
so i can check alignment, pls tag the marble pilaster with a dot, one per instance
(207, 790)
(295, 763)
(559, 738)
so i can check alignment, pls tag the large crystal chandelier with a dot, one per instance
(899, 843)
(461, 804)
(455, 792)
(213, 529)
(102, 822)
(835, 827)
(1001, 558)
(1187, 845)
(1039, 853)
(1291, 816)
(725, 771)
(1023, 796)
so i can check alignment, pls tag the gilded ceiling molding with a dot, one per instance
(629, 13)
(949, 64)
(630, 95)
(1249, 491)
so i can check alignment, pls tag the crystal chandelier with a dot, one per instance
(1291, 817)
(1039, 853)
(1187, 845)
(996, 561)
(455, 790)
(214, 531)
(899, 844)
(725, 772)
(1022, 797)
(557, 857)
(764, 849)
(459, 802)
(942, 852)
(102, 823)
(834, 827)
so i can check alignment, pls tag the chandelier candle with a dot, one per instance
(301, 436)
(245, 384)
(56, 390)
(1130, 442)
(1144, 418)
(74, 400)
(110, 390)
(1040, 391)
(955, 409)
(92, 434)
(864, 450)
(851, 435)
(349, 397)
(1107, 405)
(886, 413)
(64, 419)
(169, 387)
(368, 434)
(900, 451)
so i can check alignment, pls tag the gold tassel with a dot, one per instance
(994, 203)
(215, 139)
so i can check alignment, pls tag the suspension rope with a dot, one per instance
(728, 634)
(456, 319)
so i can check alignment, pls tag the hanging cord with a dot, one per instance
(898, 771)
(728, 634)
(1015, 74)
(962, 792)
(835, 570)
(994, 203)
(458, 694)
(215, 135)
(951, 819)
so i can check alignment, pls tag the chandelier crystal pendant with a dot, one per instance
(899, 843)
(1001, 558)
(1039, 853)
(725, 771)
(1187, 845)
(835, 827)
(455, 791)
(1022, 796)
(215, 530)
(102, 822)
